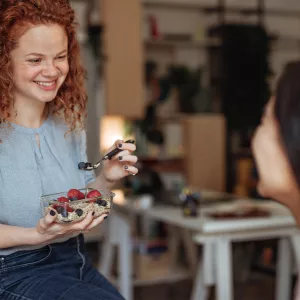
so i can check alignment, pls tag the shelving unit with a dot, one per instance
(182, 44)
(191, 159)
(172, 47)
(169, 165)
(123, 70)
(219, 8)
(278, 43)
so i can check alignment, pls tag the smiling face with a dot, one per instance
(40, 64)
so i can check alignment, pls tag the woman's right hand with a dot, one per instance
(47, 229)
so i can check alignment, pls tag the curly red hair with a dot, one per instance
(16, 16)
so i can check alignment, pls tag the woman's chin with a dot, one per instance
(262, 190)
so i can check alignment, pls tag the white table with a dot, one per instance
(216, 237)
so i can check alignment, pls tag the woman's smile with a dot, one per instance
(47, 85)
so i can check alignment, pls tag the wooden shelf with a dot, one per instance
(123, 70)
(171, 119)
(168, 5)
(176, 165)
(215, 9)
(181, 44)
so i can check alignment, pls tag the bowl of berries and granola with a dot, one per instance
(75, 204)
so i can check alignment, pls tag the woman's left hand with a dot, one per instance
(122, 164)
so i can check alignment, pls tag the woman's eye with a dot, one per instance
(34, 60)
(61, 57)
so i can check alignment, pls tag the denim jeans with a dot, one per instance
(61, 271)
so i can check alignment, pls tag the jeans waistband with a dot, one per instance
(69, 255)
(70, 242)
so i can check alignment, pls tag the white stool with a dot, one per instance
(216, 265)
(118, 233)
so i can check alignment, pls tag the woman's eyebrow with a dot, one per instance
(40, 54)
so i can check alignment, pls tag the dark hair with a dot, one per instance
(16, 16)
(287, 113)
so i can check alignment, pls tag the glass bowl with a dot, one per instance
(76, 210)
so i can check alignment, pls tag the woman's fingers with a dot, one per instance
(46, 222)
(82, 225)
(126, 146)
(117, 144)
(45, 225)
(122, 153)
(132, 159)
(96, 222)
(131, 170)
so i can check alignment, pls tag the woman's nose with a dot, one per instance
(50, 70)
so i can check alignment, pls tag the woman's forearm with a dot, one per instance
(14, 236)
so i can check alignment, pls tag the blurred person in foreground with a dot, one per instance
(276, 145)
(42, 140)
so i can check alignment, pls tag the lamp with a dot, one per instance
(112, 128)
(119, 197)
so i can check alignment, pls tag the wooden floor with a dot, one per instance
(257, 287)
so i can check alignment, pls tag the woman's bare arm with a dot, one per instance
(14, 236)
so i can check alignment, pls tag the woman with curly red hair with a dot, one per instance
(42, 139)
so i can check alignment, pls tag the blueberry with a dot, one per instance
(101, 202)
(73, 198)
(79, 212)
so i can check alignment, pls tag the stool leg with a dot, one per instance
(190, 249)
(283, 270)
(295, 239)
(209, 263)
(204, 275)
(105, 261)
(224, 274)
(173, 246)
(125, 258)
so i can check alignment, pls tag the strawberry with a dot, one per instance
(63, 199)
(73, 194)
(93, 194)
(81, 196)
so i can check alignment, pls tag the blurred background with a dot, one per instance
(188, 80)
